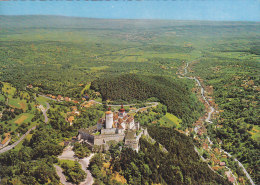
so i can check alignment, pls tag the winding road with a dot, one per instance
(44, 111)
(68, 154)
(208, 119)
(9, 147)
(61, 175)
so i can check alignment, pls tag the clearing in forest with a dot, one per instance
(17, 103)
(171, 119)
(21, 119)
(23, 105)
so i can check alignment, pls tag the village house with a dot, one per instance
(60, 98)
(71, 119)
(29, 86)
(205, 146)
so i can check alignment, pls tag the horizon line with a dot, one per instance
(148, 19)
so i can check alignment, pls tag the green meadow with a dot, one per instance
(170, 120)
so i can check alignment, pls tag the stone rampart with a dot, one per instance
(102, 139)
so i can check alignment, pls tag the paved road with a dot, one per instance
(61, 175)
(153, 104)
(84, 165)
(44, 111)
(47, 97)
(9, 147)
(208, 119)
(68, 154)
(240, 165)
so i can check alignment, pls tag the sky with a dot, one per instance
(218, 10)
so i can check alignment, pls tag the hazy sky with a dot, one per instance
(234, 10)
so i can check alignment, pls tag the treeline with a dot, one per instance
(180, 165)
(171, 92)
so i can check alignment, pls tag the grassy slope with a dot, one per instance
(170, 119)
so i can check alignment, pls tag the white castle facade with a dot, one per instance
(117, 126)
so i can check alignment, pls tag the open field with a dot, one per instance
(70, 163)
(25, 117)
(85, 88)
(17, 103)
(21, 119)
(170, 119)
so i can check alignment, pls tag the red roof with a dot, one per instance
(122, 109)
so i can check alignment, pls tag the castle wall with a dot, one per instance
(132, 143)
(108, 131)
(137, 125)
(85, 136)
(102, 139)
(132, 125)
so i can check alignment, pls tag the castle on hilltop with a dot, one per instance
(115, 127)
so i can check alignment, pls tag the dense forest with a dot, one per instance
(33, 164)
(171, 92)
(153, 165)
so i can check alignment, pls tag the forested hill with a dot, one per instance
(179, 166)
(171, 92)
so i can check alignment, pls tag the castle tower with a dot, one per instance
(109, 118)
(122, 111)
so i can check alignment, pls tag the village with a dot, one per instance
(217, 159)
